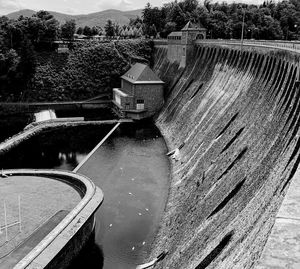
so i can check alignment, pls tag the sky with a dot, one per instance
(84, 6)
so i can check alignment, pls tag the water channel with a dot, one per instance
(132, 170)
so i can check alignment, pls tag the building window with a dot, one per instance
(127, 106)
(140, 104)
(183, 51)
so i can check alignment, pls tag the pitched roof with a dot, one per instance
(175, 34)
(141, 74)
(193, 26)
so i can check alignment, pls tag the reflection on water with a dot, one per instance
(90, 257)
(132, 170)
(58, 149)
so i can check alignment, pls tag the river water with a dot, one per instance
(132, 170)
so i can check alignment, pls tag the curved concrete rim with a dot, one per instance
(92, 198)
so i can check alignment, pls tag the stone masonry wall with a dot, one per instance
(236, 116)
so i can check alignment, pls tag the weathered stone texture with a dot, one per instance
(236, 116)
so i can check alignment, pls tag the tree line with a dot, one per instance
(270, 20)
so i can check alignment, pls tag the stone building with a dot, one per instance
(141, 93)
(181, 44)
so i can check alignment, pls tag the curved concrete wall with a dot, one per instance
(237, 117)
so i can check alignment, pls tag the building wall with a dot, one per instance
(128, 102)
(125, 102)
(152, 96)
(179, 50)
(127, 87)
(174, 52)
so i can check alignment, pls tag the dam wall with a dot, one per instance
(235, 117)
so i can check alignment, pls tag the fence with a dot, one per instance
(278, 44)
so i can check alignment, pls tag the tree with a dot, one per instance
(48, 26)
(79, 31)
(68, 29)
(153, 31)
(87, 31)
(109, 28)
(152, 16)
(137, 22)
(117, 29)
(170, 27)
(177, 15)
(95, 30)
(188, 6)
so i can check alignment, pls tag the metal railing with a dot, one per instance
(277, 44)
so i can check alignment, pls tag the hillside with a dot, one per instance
(89, 69)
(92, 19)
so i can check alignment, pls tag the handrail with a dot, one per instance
(293, 46)
(277, 44)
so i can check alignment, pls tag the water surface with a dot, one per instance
(132, 170)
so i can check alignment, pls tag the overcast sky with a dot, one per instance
(83, 6)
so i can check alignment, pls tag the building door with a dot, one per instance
(140, 104)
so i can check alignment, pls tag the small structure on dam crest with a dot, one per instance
(181, 44)
(141, 93)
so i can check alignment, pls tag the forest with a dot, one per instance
(30, 70)
(270, 20)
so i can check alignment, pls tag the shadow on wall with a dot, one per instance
(90, 257)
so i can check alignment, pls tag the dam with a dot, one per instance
(231, 115)
(234, 113)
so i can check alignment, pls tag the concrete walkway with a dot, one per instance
(34, 239)
(283, 247)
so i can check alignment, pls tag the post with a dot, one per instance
(20, 219)
(243, 26)
(5, 222)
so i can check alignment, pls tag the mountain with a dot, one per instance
(92, 19)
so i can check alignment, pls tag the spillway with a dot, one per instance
(235, 116)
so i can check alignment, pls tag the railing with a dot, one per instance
(278, 44)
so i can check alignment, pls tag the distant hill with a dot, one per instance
(92, 19)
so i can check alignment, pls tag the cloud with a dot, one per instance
(121, 4)
(7, 6)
